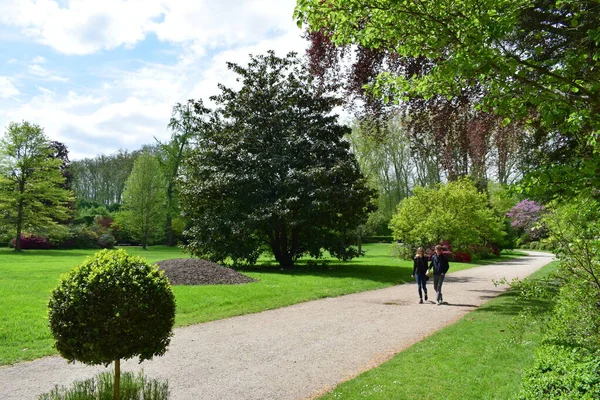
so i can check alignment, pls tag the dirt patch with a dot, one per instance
(193, 271)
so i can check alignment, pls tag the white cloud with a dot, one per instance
(82, 26)
(43, 73)
(7, 89)
(88, 26)
(122, 108)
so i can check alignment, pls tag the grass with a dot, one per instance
(28, 278)
(132, 387)
(483, 356)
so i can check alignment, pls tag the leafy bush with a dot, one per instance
(133, 387)
(403, 251)
(81, 237)
(546, 244)
(562, 373)
(485, 251)
(107, 241)
(455, 211)
(113, 306)
(29, 241)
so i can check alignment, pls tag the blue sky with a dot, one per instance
(104, 75)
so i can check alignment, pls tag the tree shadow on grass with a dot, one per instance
(516, 305)
(76, 253)
(377, 273)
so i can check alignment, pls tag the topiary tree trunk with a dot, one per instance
(117, 379)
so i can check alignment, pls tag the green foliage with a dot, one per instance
(132, 387)
(453, 212)
(186, 119)
(576, 317)
(568, 364)
(101, 180)
(575, 229)
(392, 165)
(113, 306)
(31, 195)
(272, 170)
(80, 237)
(501, 198)
(562, 373)
(377, 224)
(536, 61)
(143, 213)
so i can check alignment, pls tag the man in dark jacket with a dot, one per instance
(440, 266)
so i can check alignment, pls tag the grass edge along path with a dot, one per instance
(482, 356)
(27, 279)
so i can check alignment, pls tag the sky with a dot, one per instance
(104, 75)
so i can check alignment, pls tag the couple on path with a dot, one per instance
(439, 264)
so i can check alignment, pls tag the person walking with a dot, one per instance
(420, 273)
(439, 264)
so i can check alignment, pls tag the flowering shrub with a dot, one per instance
(30, 241)
(462, 256)
(526, 218)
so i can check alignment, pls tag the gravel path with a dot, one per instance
(294, 352)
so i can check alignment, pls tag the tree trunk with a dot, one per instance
(19, 226)
(279, 247)
(117, 379)
(169, 229)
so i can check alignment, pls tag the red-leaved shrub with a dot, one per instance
(462, 256)
(30, 241)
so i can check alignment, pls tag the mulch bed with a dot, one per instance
(193, 271)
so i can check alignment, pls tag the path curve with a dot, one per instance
(290, 353)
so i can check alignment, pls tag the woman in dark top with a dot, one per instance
(420, 273)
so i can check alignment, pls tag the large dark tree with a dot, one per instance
(272, 171)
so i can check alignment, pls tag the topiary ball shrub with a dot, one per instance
(113, 306)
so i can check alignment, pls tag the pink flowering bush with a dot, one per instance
(30, 241)
(526, 218)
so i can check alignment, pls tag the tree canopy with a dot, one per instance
(272, 171)
(32, 195)
(453, 212)
(536, 60)
(143, 210)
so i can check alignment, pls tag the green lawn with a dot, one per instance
(27, 279)
(482, 356)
